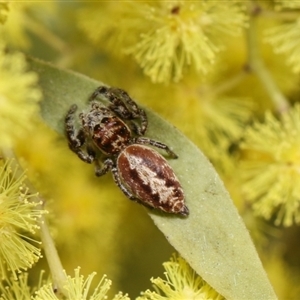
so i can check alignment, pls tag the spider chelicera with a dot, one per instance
(112, 137)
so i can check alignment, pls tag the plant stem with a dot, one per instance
(46, 35)
(256, 65)
(56, 268)
(229, 83)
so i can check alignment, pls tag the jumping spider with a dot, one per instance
(112, 138)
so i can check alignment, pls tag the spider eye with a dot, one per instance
(105, 120)
(123, 130)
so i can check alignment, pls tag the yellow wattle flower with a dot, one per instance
(181, 283)
(18, 218)
(79, 288)
(19, 97)
(164, 38)
(271, 167)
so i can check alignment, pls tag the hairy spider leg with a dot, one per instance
(102, 169)
(119, 183)
(135, 110)
(76, 138)
(157, 144)
(124, 107)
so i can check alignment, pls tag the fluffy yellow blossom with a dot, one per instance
(285, 38)
(19, 97)
(213, 122)
(78, 288)
(18, 217)
(15, 289)
(164, 37)
(181, 283)
(271, 167)
(13, 31)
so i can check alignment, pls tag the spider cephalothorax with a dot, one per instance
(112, 137)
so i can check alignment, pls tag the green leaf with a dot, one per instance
(213, 238)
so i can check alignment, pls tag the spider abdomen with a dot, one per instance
(150, 179)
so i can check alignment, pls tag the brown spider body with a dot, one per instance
(149, 177)
(141, 173)
(108, 132)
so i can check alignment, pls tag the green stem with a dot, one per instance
(56, 268)
(46, 35)
(256, 65)
(229, 83)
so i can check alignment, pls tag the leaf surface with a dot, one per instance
(213, 238)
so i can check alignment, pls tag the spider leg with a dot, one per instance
(124, 107)
(147, 141)
(76, 138)
(102, 169)
(119, 183)
(108, 164)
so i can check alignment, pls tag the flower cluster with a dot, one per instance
(165, 38)
(18, 218)
(285, 37)
(75, 288)
(15, 289)
(19, 97)
(271, 165)
(181, 283)
(79, 288)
